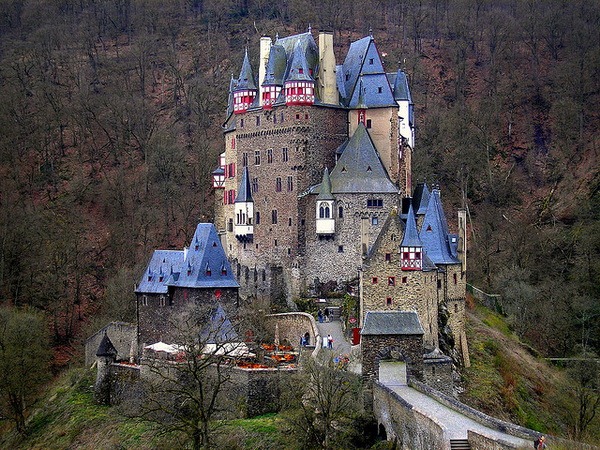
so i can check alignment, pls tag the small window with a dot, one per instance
(257, 121)
(275, 242)
(388, 257)
(369, 123)
(290, 222)
(297, 116)
(284, 154)
(257, 217)
(254, 186)
(290, 184)
(257, 157)
(162, 300)
(241, 123)
(374, 280)
(439, 284)
(340, 249)
(388, 301)
(144, 300)
(269, 155)
(391, 281)
(281, 117)
(371, 61)
(340, 212)
(374, 203)
(374, 221)
(278, 184)
(230, 225)
(404, 280)
(379, 90)
(455, 307)
(274, 216)
(455, 279)
(306, 116)
(289, 251)
(244, 159)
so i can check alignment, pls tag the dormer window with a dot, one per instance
(149, 277)
(223, 270)
(161, 278)
(371, 61)
(208, 271)
(300, 70)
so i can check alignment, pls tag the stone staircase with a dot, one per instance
(459, 444)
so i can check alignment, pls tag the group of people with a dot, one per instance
(323, 315)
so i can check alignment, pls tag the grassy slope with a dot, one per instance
(508, 381)
(68, 417)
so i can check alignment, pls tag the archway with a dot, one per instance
(392, 367)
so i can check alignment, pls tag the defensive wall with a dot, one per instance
(121, 334)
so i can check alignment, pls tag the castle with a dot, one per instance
(314, 187)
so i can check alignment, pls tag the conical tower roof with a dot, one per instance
(325, 189)
(246, 78)
(244, 193)
(411, 236)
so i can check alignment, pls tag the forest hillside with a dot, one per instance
(110, 125)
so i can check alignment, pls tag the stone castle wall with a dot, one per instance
(376, 348)
(337, 258)
(121, 334)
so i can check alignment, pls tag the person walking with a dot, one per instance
(327, 315)
(329, 342)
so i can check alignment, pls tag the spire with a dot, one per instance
(244, 193)
(361, 96)
(246, 78)
(411, 236)
(325, 190)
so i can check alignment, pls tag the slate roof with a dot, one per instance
(245, 192)
(401, 89)
(434, 232)
(219, 328)
(359, 169)
(421, 198)
(246, 78)
(202, 265)
(411, 235)
(276, 65)
(106, 347)
(325, 189)
(385, 323)
(300, 52)
(362, 81)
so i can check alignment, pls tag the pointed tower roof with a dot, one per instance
(361, 97)
(246, 78)
(106, 347)
(244, 193)
(276, 64)
(411, 236)
(421, 198)
(325, 189)
(359, 169)
(434, 232)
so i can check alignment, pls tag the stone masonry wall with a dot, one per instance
(376, 348)
(339, 257)
(402, 423)
(121, 334)
(437, 373)
(294, 325)
(410, 291)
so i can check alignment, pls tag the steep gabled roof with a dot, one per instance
(434, 232)
(246, 78)
(362, 74)
(276, 65)
(411, 236)
(359, 169)
(245, 192)
(392, 224)
(386, 323)
(301, 52)
(205, 262)
(202, 265)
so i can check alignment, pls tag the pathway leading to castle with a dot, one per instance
(456, 424)
(340, 345)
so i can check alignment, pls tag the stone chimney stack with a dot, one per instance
(327, 85)
(265, 48)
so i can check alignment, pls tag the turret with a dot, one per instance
(105, 356)
(411, 248)
(324, 207)
(274, 72)
(244, 210)
(244, 90)
(300, 84)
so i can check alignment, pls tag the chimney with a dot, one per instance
(327, 81)
(265, 49)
